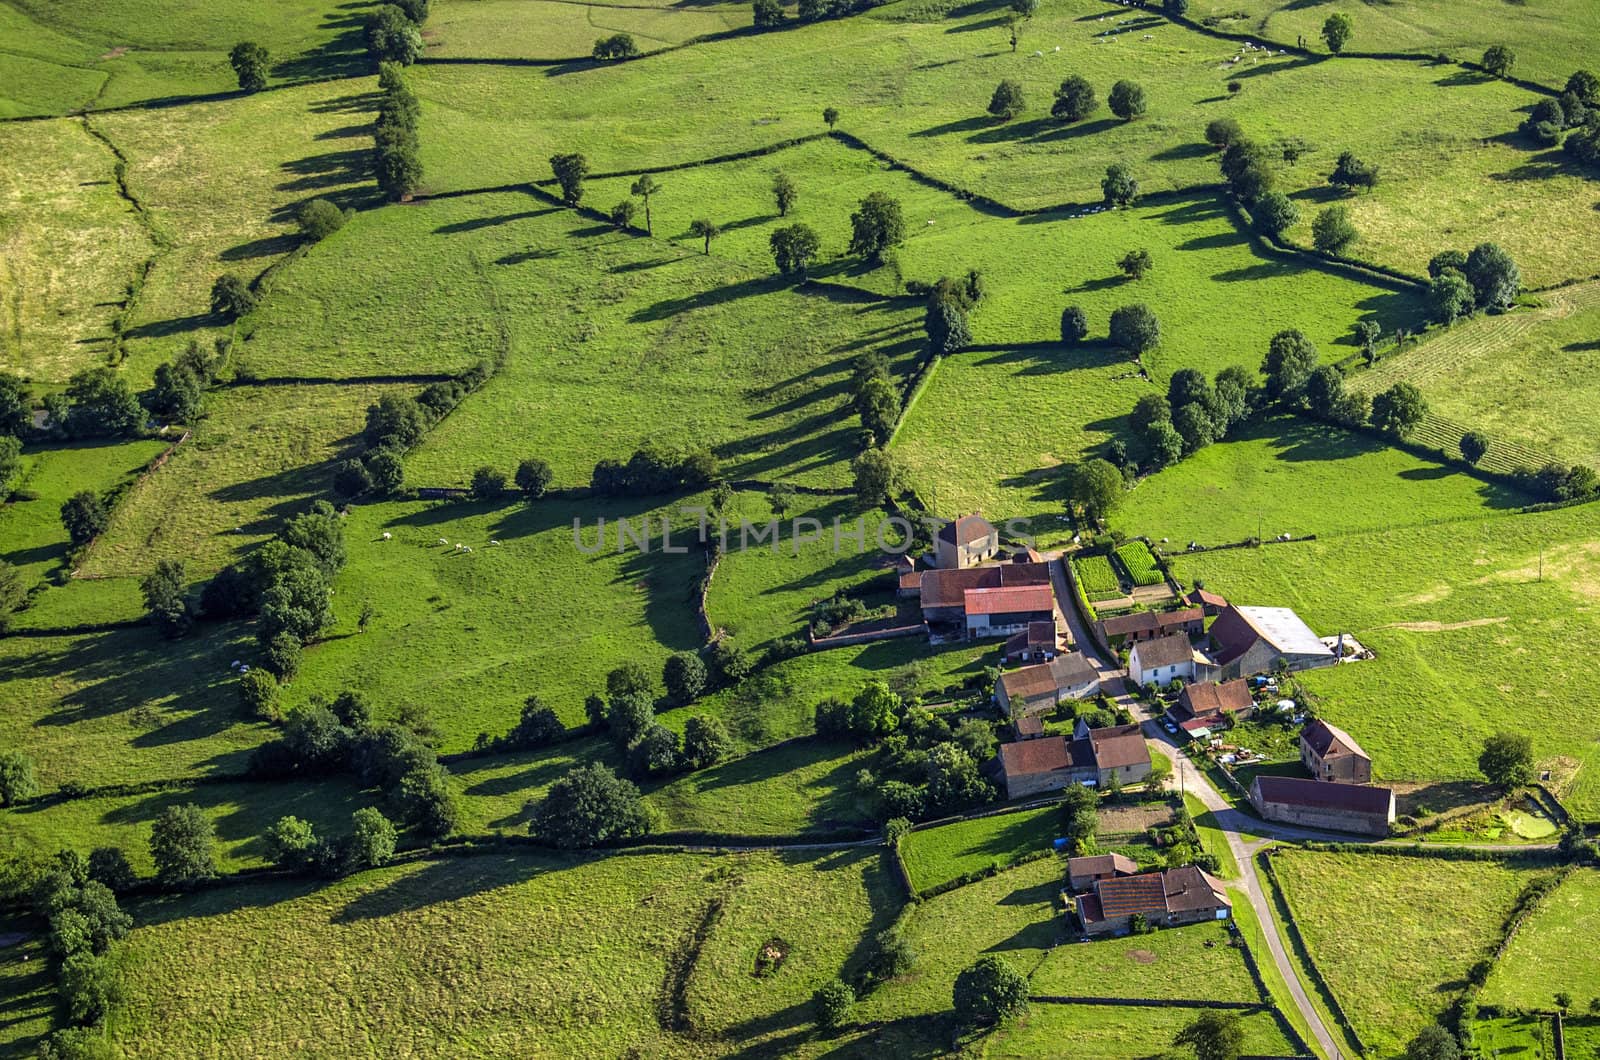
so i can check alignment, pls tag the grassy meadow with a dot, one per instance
(1392, 982)
(936, 855)
(1550, 953)
(1119, 1033)
(1457, 614)
(499, 953)
(539, 29)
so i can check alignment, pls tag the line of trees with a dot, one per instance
(394, 32)
(398, 167)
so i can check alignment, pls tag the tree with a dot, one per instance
(1398, 410)
(13, 592)
(1495, 279)
(1126, 100)
(181, 842)
(989, 991)
(616, 47)
(1274, 213)
(1007, 102)
(1473, 445)
(1332, 231)
(875, 476)
(16, 405)
(1135, 328)
(87, 988)
(415, 10)
(945, 318)
(876, 226)
(1498, 60)
(166, 600)
(645, 187)
(1585, 85)
(372, 838)
(399, 168)
(1135, 264)
(487, 484)
(1336, 31)
(1507, 760)
(1194, 426)
(10, 463)
(1175, 8)
(767, 14)
(258, 694)
(1074, 324)
(588, 806)
(684, 675)
(1097, 486)
(84, 517)
(231, 297)
(99, 403)
(784, 193)
(1246, 170)
(290, 843)
(1350, 173)
(1235, 390)
(1290, 360)
(533, 478)
(1450, 296)
(656, 753)
(831, 116)
(1075, 100)
(878, 405)
(832, 1004)
(780, 498)
(630, 679)
(1223, 132)
(570, 169)
(622, 213)
(1119, 186)
(392, 37)
(705, 742)
(793, 248)
(705, 230)
(319, 219)
(1213, 1035)
(175, 395)
(1433, 1042)
(250, 61)
(1325, 391)
(17, 780)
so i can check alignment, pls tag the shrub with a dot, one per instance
(1275, 213)
(231, 297)
(1075, 100)
(17, 779)
(989, 991)
(250, 62)
(832, 1004)
(1074, 324)
(1007, 102)
(372, 838)
(705, 742)
(588, 806)
(181, 842)
(621, 45)
(1135, 328)
(291, 843)
(1119, 187)
(1126, 100)
(487, 484)
(258, 694)
(319, 219)
(87, 988)
(1332, 231)
(1221, 132)
(84, 517)
(533, 478)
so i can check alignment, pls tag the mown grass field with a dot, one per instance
(1457, 614)
(1549, 952)
(934, 855)
(1194, 963)
(71, 246)
(1290, 475)
(1119, 1033)
(519, 29)
(89, 53)
(497, 953)
(1393, 982)
(240, 814)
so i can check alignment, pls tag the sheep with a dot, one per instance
(930, 221)
(244, 669)
(467, 550)
(1058, 47)
(442, 541)
(234, 665)
(495, 543)
(387, 535)
(1038, 55)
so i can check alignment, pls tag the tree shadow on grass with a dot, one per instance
(447, 880)
(330, 169)
(354, 103)
(342, 55)
(265, 247)
(477, 223)
(1051, 130)
(1183, 152)
(165, 329)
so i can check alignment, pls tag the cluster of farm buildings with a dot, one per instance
(1214, 649)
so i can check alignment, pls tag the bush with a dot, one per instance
(705, 742)
(181, 842)
(1333, 231)
(281, 654)
(1135, 328)
(87, 988)
(588, 806)
(1007, 102)
(17, 779)
(487, 484)
(258, 695)
(1274, 213)
(1126, 100)
(833, 1003)
(84, 517)
(319, 219)
(989, 991)
(619, 46)
(291, 843)
(1074, 324)
(533, 478)
(109, 867)
(372, 838)
(684, 676)
(1074, 100)
(231, 297)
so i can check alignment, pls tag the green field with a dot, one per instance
(1194, 963)
(1549, 952)
(1288, 475)
(449, 942)
(1119, 1033)
(1453, 611)
(1098, 578)
(535, 29)
(935, 855)
(1391, 984)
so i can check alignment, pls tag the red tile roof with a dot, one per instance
(1028, 682)
(1102, 865)
(1127, 895)
(947, 588)
(1328, 740)
(1321, 795)
(1031, 757)
(1171, 650)
(1208, 697)
(966, 530)
(1150, 621)
(1119, 745)
(1008, 600)
(1029, 725)
(1190, 889)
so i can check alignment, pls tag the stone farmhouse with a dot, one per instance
(1253, 640)
(995, 600)
(1040, 689)
(1330, 753)
(1184, 895)
(1037, 644)
(1207, 706)
(1092, 757)
(1151, 625)
(965, 541)
(1083, 873)
(1314, 804)
(1163, 660)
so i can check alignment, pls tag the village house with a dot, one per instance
(1092, 757)
(1162, 661)
(1209, 602)
(1330, 753)
(1036, 644)
(1205, 706)
(1084, 872)
(1027, 727)
(965, 541)
(1313, 804)
(1150, 625)
(1184, 895)
(976, 601)
(1038, 689)
(1255, 640)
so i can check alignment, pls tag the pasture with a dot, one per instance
(1119, 1033)
(1394, 981)
(934, 856)
(1455, 612)
(451, 942)
(1549, 952)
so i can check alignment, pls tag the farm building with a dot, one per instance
(1027, 727)
(1036, 644)
(1312, 804)
(1151, 625)
(1161, 661)
(1209, 602)
(1207, 705)
(1083, 873)
(1038, 689)
(965, 541)
(1330, 753)
(945, 596)
(1003, 610)
(1184, 895)
(1253, 640)
(1091, 757)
